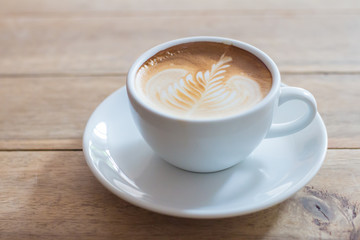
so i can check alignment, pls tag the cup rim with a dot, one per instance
(269, 63)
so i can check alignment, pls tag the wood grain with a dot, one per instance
(53, 195)
(51, 112)
(109, 44)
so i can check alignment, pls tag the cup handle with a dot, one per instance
(288, 94)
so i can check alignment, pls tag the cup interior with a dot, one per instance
(269, 63)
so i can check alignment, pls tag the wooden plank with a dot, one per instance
(44, 6)
(21, 144)
(105, 44)
(53, 195)
(51, 112)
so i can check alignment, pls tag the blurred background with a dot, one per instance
(61, 58)
(104, 37)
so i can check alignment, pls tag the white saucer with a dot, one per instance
(125, 164)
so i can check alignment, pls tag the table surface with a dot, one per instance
(60, 59)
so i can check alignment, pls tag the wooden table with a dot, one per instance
(60, 59)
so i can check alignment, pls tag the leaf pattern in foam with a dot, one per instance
(209, 91)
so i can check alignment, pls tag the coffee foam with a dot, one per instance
(203, 80)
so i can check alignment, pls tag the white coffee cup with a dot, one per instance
(208, 145)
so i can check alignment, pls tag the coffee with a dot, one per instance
(201, 80)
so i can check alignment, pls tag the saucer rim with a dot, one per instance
(158, 208)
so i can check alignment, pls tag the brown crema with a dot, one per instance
(203, 79)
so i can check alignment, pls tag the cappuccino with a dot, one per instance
(201, 80)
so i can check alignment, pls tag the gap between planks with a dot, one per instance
(80, 149)
(114, 74)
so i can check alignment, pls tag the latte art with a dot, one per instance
(185, 90)
(204, 92)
